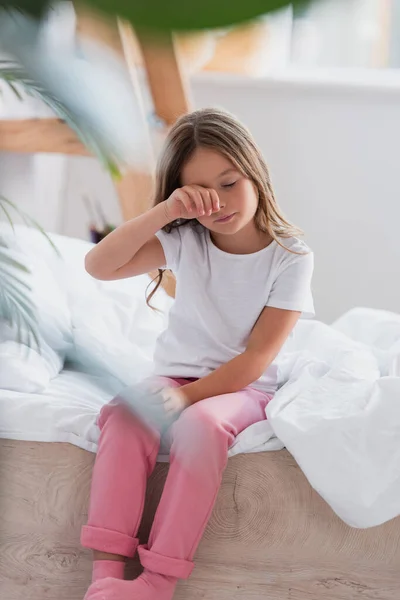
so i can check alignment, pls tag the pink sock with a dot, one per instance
(108, 568)
(149, 586)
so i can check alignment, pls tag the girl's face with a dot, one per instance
(237, 195)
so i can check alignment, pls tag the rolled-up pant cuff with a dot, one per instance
(165, 565)
(106, 540)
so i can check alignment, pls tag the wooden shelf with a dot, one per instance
(39, 135)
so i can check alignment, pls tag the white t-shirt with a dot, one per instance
(219, 297)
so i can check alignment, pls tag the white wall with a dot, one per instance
(338, 33)
(334, 150)
(85, 177)
(35, 182)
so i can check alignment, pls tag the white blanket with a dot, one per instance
(337, 410)
(339, 413)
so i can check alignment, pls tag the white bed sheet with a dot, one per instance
(65, 412)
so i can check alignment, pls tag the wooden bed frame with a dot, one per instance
(271, 536)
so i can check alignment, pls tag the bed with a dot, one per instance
(271, 535)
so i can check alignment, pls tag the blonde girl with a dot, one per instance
(243, 280)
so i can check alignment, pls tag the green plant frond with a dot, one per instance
(15, 90)
(9, 261)
(8, 217)
(14, 277)
(9, 268)
(32, 223)
(25, 336)
(25, 317)
(19, 325)
(27, 220)
(16, 306)
(13, 291)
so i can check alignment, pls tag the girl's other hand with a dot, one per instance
(175, 402)
(191, 202)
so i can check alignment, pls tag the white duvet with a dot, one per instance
(337, 410)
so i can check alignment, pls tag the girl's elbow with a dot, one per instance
(92, 266)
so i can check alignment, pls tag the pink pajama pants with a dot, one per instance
(126, 456)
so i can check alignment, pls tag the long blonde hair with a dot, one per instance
(222, 132)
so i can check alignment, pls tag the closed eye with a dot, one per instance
(229, 185)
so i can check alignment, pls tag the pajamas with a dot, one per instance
(199, 441)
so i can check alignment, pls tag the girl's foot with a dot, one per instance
(149, 586)
(108, 568)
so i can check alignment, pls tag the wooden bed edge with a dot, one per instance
(270, 532)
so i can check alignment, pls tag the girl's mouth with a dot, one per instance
(225, 219)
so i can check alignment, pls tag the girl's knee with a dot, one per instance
(112, 412)
(197, 416)
(203, 414)
(199, 431)
(117, 417)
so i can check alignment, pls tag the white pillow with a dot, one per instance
(105, 326)
(114, 331)
(22, 369)
(54, 323)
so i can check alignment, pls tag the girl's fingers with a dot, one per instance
(189, 202)
(214, 200)
(210, 199)
(202, 200)
(205, 193)
(198, 199)
(169, 399)
(185, 198)
(170, 406)
(174, 402)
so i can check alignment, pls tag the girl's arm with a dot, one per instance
(133, 248)
(267, 338)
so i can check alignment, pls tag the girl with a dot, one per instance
(243, 280)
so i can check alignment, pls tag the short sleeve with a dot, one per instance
(292, 287)
(171, 244)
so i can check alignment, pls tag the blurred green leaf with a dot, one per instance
(27, 220)
(36, 8)
(188, 14)
(167, 15)
(16, 306)
(7, 214)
